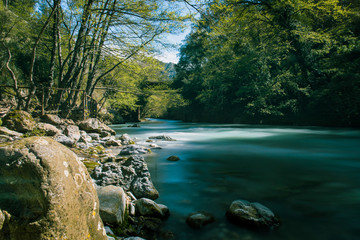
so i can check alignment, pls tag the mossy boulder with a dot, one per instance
(19, 121)
(46, 193)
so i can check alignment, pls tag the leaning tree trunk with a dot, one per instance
(31, 71)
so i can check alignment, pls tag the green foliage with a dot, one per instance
(35, 132)
(278, 62)
(82, 45)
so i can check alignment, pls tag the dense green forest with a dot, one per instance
(70, 55)
(245, 61)
(273, 62)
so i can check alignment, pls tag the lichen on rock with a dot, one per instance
(47, 193)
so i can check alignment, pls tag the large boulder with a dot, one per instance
(46, 193)
(19, 121)
(52, 119)
(253, 215)
(49, 129)
(113, 204)
(132, 174)
(94, 125)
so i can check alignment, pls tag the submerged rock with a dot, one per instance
(132, 174)
(253, 215)
(154, 146)
(163, 138)
(173, 158)
(46, 193)
(199, 219)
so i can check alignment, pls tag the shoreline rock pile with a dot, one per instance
(124, 195)
(44, 185)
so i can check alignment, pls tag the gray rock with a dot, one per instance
(5, 138)
(19, 121)
(52, 119)
(61, 138)
(82, 145)
(68, 122)
(73, 132)
(105, 134)
(154, 146)
(47, 193)
(143, 187)
(126, 140)
(6, 131)
(165, 210)
(199, 219)
(49, 129)
(163, 138)
(132, 174)
(113, 204)
(94, 125)
(149, 208)
(113, 143)
(134, 150)
(108, 230)
(94, 136)
(253, 215)
(85, 136)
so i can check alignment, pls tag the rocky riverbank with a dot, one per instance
(121, 190)
(116, 190)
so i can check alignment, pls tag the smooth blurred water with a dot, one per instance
(308, 176)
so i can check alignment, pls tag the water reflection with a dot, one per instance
(308, 176)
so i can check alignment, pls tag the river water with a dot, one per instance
(308, 176)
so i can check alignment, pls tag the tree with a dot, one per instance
(272, 62)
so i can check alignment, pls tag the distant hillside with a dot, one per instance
(169, 70)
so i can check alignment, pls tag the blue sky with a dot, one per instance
(171, 54)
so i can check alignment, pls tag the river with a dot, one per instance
(308, 176)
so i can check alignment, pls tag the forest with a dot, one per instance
(291, 62)
(273, 62)
(85, 58)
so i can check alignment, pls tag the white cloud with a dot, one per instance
(168, 56)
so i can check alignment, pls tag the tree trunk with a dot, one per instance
(31, 71)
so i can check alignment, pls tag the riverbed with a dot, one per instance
(308, 176)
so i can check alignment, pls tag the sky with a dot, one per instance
(171, 55)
